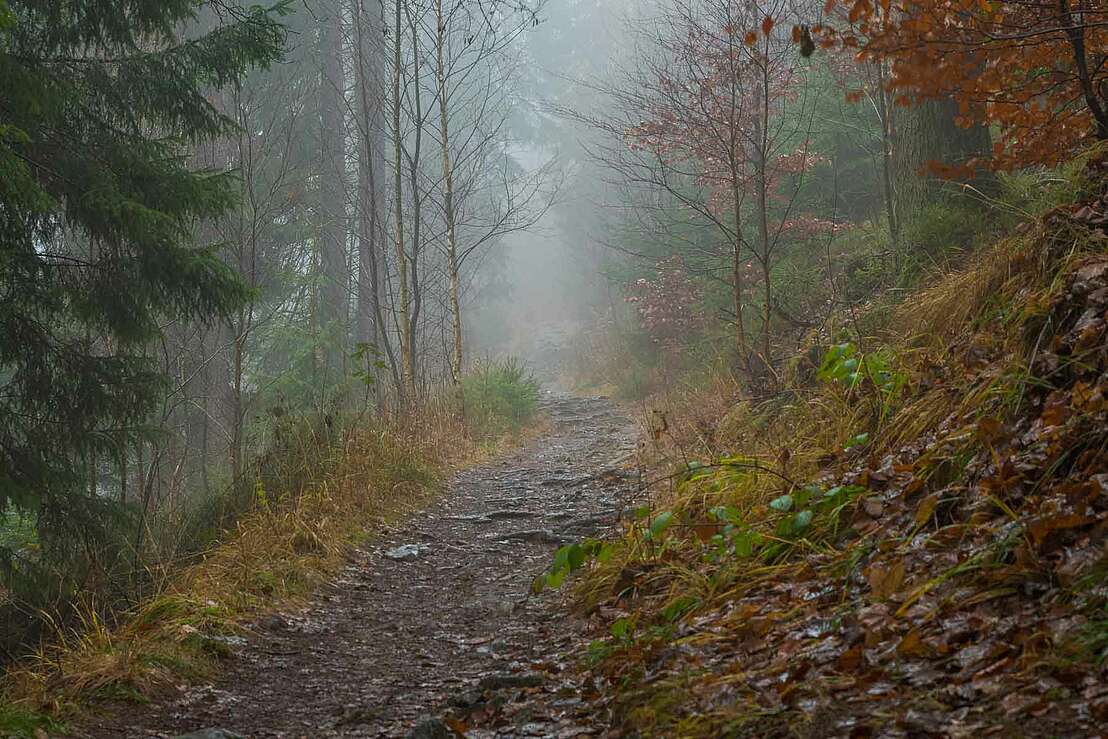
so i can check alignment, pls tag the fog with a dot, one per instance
(343, 216)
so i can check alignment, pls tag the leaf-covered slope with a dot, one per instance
(934, 564)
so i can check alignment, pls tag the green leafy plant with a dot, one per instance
(845, 364)
(737, 536)
(679, 608)
(367, 362)
(658, 526)
(17, 530)
(500, 397)
(570, 558)
(21, 722)
(856, 441)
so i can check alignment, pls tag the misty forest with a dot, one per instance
(553, 368)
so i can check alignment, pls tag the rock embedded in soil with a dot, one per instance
(405, 552)
(272, 622)
(506, 514)
(503, 682)
(536, 536)
(431, 728)
(212, 733)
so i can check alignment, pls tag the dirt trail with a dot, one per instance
(394, 642)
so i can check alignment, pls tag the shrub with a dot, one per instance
(944, 226)
(500, 397)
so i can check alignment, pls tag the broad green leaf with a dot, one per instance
(660, 524)
(856, 440)
(784, 503)
(726, 513)
(679, 608)
(806, 493)
(556, 578)
(576, 557)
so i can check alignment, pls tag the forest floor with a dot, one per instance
(431, 627)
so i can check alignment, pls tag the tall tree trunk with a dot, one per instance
(927, 133)
(1075, 32)
(405, 324)
(237, 415)
(888, 146)
(761, 185)
(371, 323)
(417, 193)
(333, 308)
(448, 207)
(737, 268)
(735, 153)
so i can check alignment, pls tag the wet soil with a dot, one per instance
(446, 627)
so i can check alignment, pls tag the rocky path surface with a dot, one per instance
(431, 625)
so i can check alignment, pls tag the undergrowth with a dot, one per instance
(328, 486)
(911, 533)
(500, 397)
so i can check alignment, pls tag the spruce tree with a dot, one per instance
(101, 104)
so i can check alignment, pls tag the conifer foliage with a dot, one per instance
(100, 209)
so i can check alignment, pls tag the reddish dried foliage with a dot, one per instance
(1034, 69)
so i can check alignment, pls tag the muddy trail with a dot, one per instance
(431, 624)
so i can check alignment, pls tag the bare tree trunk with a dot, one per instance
(407, 390)
(888, 145)
(761, 185)
(927, 133)
(332, 233)
(448, 207)
(737, 268)
(417, 195)
(236, 450)
(734, 152)
(371, 323)
(1075, 32)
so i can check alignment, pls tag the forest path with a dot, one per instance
(391, 643)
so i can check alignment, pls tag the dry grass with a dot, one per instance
(941, 311)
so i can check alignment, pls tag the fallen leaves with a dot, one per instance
(964, 593)
(885, 579)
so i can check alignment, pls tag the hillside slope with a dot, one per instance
(914, 543)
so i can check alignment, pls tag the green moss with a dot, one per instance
(21, 722)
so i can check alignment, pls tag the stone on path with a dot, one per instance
(503, 682)
(431, 728)
(213, 733)
(405, 552)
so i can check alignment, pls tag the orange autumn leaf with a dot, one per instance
(912, 645)
(767, 25)
(985, 57)
(858, 10)
(926, 507)
(885, 580)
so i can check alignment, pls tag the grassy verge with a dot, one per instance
(912, 535)
(296, 531)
